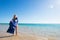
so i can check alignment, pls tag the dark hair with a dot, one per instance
(16, 18)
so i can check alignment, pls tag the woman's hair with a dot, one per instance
(14, 17)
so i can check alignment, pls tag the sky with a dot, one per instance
(30, 11)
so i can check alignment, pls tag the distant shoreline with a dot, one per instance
(32, 23)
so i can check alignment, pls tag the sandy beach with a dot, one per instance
(6, 36)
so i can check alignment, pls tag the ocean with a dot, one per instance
(35, 29)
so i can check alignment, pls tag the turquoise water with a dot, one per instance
(35, 29)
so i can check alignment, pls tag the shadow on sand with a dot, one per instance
(6, 36)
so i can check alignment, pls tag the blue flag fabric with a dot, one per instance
(12, 26)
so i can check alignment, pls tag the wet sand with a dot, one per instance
(21, 37)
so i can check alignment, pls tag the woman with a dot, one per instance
(13, 25)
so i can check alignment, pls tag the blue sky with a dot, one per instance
(30, 11)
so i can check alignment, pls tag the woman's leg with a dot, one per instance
(16, 30)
